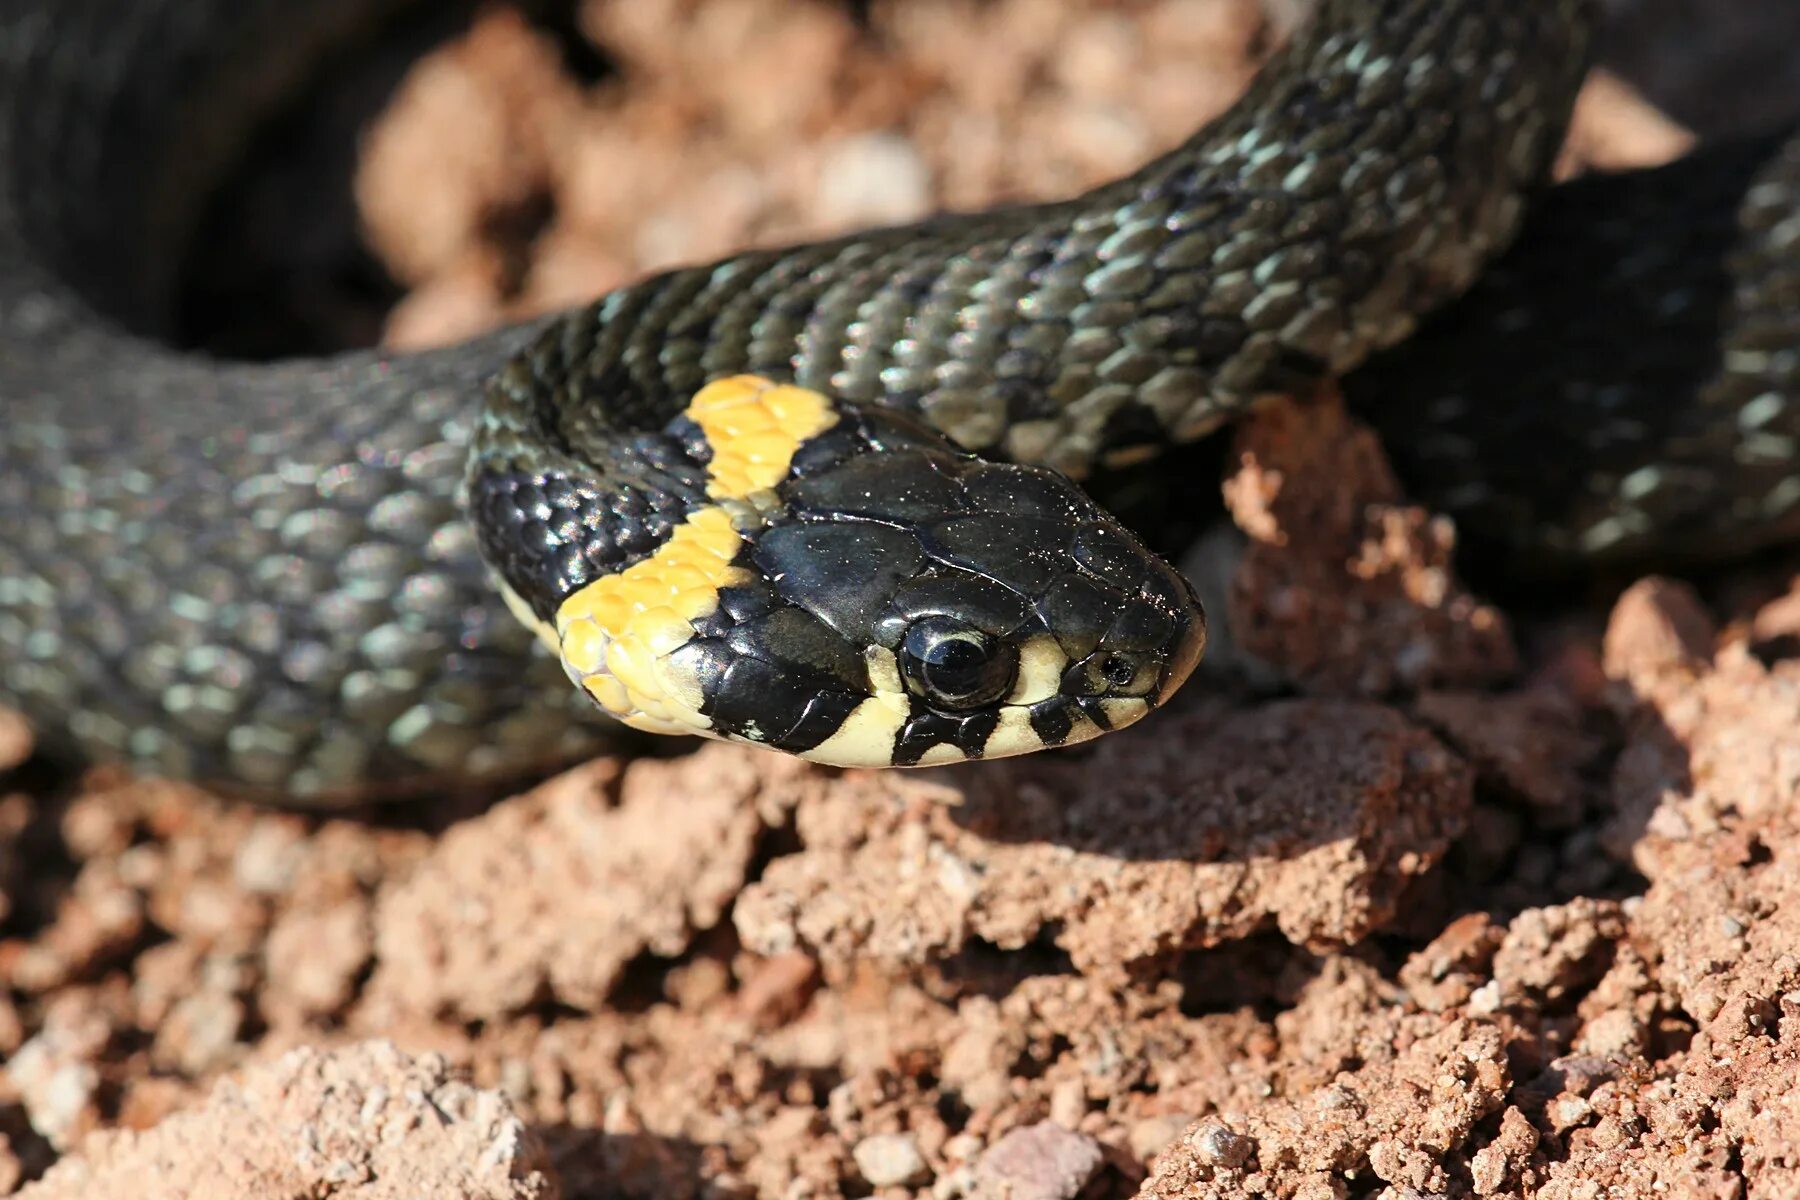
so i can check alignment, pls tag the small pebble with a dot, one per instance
(1039, 1162)
(1487, 1170)
(1486, 999)
(1221, 1146)
(58, 1094)
(889, 1159)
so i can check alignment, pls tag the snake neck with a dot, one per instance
(1379, 161)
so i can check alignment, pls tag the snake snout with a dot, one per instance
(1131, 622)
(1186, 648)
(1186, 643)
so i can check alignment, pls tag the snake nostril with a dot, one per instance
(1119, 670)
(1113, 673)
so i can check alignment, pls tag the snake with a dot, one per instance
(827, 498)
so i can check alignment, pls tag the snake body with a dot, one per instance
(775, 498)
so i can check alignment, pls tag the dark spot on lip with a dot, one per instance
(928, 728)
(1051, 721)
(1095, 710)
(823, 716)
(782, 706)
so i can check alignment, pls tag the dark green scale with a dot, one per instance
(265, 575)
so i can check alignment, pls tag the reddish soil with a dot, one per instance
(1483, 905)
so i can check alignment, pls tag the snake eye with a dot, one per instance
(955, 666)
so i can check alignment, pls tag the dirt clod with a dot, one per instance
(366, 1122)
(1147, 848)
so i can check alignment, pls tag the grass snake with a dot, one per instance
(820, 497)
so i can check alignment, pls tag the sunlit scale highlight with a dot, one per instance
(615, 634)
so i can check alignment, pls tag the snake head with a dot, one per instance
(863, 593)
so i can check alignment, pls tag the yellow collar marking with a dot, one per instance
(617, 632)
(754, 428)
